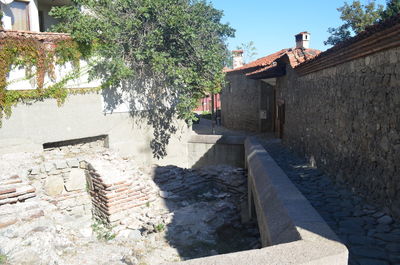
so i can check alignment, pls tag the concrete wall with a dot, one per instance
(207, 150)
(347, 118)
(30, 126)
(241, 102)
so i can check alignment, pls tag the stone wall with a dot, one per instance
(59, 176)
(346, 119)
(241, 102)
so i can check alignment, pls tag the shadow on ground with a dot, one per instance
(207, 210)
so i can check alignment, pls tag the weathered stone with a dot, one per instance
(164, 194)
(384, 144)
(388, 237)
(76, 180)
(369, 252)
(360, 240)
(86, 232)
(7, 221)
(73, 163)
(382, 228)
(32, 214)
(393, 247)
(83, 164)
(372, 262)
(54, 185)
(35, 171)
(385, 220)
(61, 164)
(134, 235)
(49, 166)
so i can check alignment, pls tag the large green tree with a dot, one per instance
(392, 9)
(165, 53)
(357, 16)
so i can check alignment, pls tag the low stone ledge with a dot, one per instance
(217, 139)
(292, 231)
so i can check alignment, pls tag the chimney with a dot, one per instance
(237, 58)
(303, 40)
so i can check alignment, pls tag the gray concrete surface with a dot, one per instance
(207, 150)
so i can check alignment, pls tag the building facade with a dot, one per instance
(249, 101)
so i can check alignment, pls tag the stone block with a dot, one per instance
(73, 163)
(76, 180)
(32, 214)
(49, 166)
(35, 171)
(7, 221)
(61, 164)
(54, 185)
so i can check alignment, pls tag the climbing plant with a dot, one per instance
(38, 59)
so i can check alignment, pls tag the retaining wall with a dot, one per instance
(292, 231)
(82, 116)
(208, 150)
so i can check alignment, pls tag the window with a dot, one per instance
(20, 15)
(41, 21)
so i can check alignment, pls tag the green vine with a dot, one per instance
(38, 59)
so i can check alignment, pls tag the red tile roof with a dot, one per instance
(262, 62)
(295, 55)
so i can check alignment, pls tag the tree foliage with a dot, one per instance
(249, 51)
(165, 53)
(392, 9)
(356, 17)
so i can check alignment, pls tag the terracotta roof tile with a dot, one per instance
(262, 62)
(296, 56)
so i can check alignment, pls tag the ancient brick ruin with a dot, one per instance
(115, 194)
(13, 190)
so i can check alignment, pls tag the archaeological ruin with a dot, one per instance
(313, 180)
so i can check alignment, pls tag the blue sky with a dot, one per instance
(272, 24)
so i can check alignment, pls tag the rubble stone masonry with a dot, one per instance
(346, 118)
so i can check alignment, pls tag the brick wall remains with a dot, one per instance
(115, 191)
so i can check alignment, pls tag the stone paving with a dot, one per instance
(372, 237)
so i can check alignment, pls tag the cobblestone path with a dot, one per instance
(372, 237)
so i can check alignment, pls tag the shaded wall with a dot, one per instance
(209, 150)
(347, 118)
(241, 102)
(81, 116)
